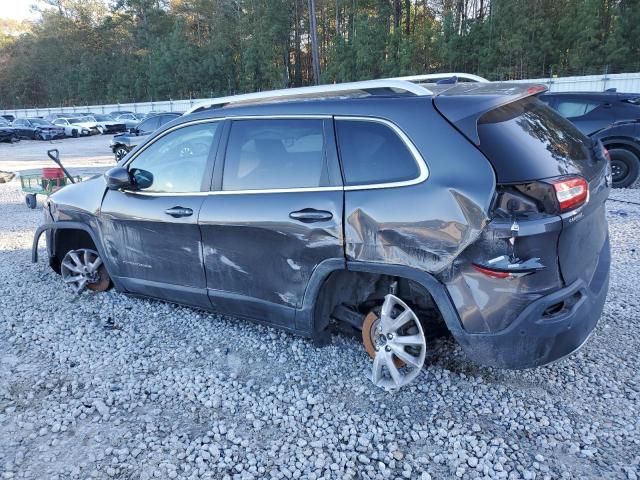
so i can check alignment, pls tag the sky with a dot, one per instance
(17, 9)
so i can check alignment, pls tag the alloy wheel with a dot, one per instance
(83, 268)
(399, 345)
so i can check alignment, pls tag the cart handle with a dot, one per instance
(55, 156)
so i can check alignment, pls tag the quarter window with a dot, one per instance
(274, 153)
(372, 153)
(176, 162)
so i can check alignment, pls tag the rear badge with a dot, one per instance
(576, 217)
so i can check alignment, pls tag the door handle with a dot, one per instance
(177, 212)
(310, 215)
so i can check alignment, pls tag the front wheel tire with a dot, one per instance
(625, 167)
(83, 268)
(120, 153)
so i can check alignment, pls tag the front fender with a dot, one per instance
(62, 226)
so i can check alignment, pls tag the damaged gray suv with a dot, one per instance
(383, 207)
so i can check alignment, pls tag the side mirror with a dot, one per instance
(118, 178)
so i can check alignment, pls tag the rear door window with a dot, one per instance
(149, 126)
(166, 119)
(275, 154)
(575, 108)
(373, 153)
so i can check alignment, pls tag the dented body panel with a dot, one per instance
(257, 259)
(152, 251)
(423, 226)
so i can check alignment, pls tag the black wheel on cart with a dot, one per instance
(30, 200)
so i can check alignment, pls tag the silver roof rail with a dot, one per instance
(434, 77)
(316, 91)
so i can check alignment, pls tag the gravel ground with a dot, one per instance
(103, 385)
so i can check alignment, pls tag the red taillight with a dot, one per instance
(491, 273)
(536, 89)
(571, 192)
(606, 153)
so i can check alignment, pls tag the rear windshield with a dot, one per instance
(526, 140)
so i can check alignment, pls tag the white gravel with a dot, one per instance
(107, 386)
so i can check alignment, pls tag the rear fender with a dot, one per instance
(309, 325)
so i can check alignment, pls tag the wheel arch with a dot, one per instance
(74, 234)
(311, 319)
(630, 143)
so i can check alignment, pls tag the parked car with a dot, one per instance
(308, 213)
(593, 111)
(117, 113)
(8, 117)
(130, 119)
(54, 116)
(106, 124)
(36, 129)
(597, 114)
(153, 113)
(125, 142)
(77, 127)
(7, 132)
(622, 140)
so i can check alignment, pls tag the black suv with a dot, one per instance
(614, 119)
(383, 207)
(123, 143)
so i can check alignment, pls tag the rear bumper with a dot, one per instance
(548, 329)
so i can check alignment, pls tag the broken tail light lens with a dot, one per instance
(571, 192)
(490, 272)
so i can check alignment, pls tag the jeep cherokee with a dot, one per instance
(384, 206)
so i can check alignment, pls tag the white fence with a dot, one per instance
(168, 106)
(623, 82)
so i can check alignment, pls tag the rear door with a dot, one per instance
(275, 213)
(22, 128)
(152, 233)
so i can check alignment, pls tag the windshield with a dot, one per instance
(38, 121)
(74, 120)
(88, 118)
(103, 118)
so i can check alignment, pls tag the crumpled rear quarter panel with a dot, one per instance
(424, 226)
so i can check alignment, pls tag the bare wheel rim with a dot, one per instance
(81, 269)
(399, 336)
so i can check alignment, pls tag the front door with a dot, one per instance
(274, 215)
(152, 233)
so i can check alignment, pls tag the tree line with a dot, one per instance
(98, 51)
